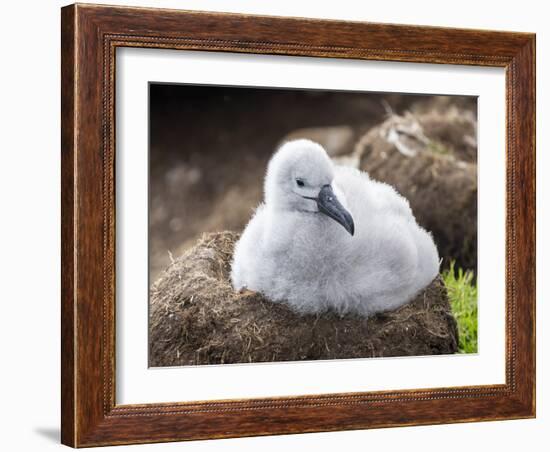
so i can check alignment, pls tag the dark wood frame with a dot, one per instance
(90, 36)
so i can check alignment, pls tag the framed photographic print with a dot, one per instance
(281, 225)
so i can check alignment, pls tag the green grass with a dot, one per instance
(463, 297)
(437, 148)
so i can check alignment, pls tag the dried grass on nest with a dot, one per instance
(197, 318)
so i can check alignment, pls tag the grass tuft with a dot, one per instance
(463, 297)
(438, 148)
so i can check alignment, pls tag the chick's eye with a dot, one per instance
(299, 182)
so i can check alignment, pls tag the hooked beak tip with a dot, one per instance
(329, 205)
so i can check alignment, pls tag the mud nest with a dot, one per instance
(197, 318)
(414, 154)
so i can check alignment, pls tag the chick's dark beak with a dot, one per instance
(328, 203)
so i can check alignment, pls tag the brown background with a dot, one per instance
(209, 147)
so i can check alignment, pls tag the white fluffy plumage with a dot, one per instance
(292, 251)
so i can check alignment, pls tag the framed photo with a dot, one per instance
(281, 225)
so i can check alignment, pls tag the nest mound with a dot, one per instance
(197, 318)
(414, 154)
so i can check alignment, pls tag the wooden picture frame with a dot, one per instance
(90, 36)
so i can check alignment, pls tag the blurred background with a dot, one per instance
(209, 147)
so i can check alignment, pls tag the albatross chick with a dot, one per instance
(328, 237)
